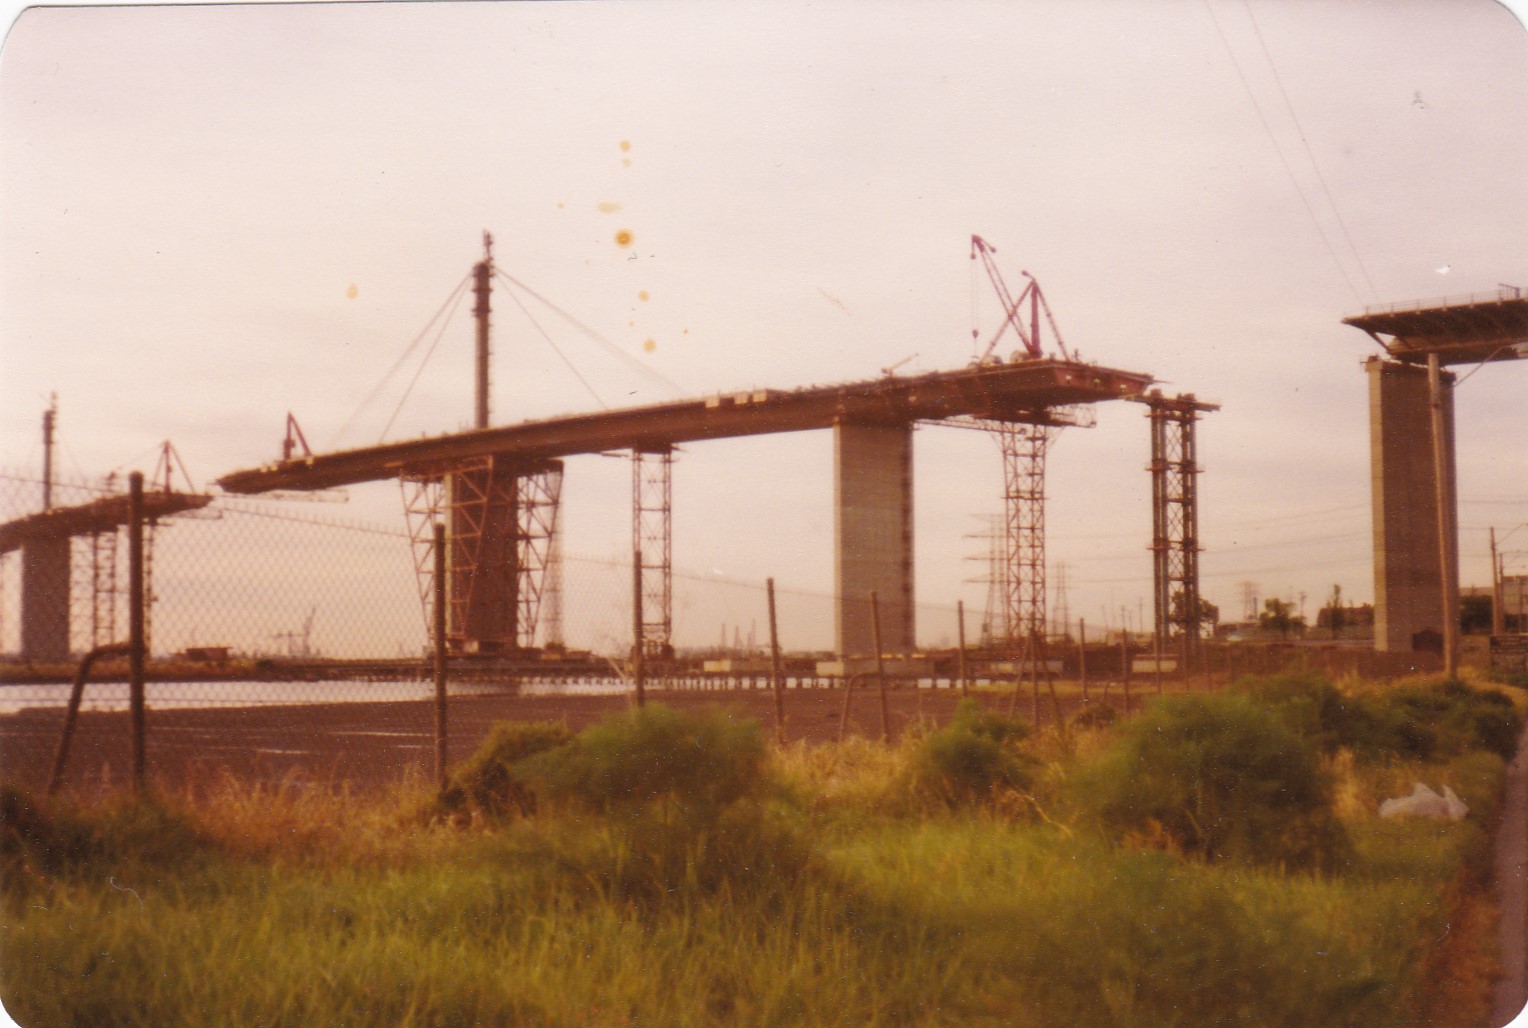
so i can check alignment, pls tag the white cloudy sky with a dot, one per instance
(210, 216)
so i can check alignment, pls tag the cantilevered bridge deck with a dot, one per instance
(1024, 391)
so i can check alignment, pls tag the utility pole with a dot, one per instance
(1498, 614)
(1442, 496)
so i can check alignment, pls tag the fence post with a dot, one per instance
(72, 710)
(779, 683)
(1033, 661)
(960, 624)
(135, 646)
(638, 673)
(880, 665)
(440, 652)
(1124, 662)
(1082, 656)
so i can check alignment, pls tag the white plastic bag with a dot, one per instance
(1423, 802)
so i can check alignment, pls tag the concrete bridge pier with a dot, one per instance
(45, 598)
(1408, 571)
(873, 535)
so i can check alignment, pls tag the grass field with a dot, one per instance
(678, 870)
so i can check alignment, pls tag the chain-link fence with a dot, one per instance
(269, 623)
(295, 636)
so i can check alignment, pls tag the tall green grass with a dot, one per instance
(804, 886)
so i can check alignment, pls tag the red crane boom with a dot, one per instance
(1013, 308)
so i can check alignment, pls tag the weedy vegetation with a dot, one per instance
(1214, 860)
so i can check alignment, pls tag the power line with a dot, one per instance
(1300, 131)
(1268, 129)
(451, 298)
(612, 348)
(420, 370)
(557, 350)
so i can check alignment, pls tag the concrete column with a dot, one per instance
(45, 599)
(873, 534)
(483, 557)
(1408, 582)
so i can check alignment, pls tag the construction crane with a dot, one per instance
(1013, 310)
(299, 644)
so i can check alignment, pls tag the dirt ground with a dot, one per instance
(366, 746)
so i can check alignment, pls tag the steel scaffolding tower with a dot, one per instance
(540, 500)
(103, 588)
(1175, 519)
(501, 521)
(652, 536)
(1024, 449)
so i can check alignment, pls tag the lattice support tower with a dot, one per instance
(423, 502)
(652, 528)
(1175, 519)
(540, 500)
(1024, 448)
(501, 526)
(551, 595)
(103, 588)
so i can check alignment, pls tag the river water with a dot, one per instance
(111, 696)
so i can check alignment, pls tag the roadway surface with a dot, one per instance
(1023, 391)
(1512, 892)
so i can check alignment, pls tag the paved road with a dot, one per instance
(1512, 893)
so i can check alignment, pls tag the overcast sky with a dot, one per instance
(210, 216)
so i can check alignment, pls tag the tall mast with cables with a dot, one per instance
(482, 288)
(501, 523)
(49, 419)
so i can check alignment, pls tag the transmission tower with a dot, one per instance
(1062, 616)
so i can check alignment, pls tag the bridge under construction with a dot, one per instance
(497, 488)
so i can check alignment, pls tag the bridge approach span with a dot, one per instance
(1025, 391)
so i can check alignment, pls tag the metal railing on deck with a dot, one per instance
(1501, 293)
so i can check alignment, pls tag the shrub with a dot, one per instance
(1220, 777)
(1446, 719)
(1311, 705)
(971, 757)
(488, 784)
(681, 793)
(40, 841)
(1433, 721)
(692, 763)
(1096, 715)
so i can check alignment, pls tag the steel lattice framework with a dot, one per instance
(103, 588)
(501, 525)
(1175, 519)
(1024, 448)
(540, 500)
(652, 539)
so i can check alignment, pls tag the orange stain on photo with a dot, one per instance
(609, 207)
(649, 346)
(623, 238)
(352, 292)
(642, 296)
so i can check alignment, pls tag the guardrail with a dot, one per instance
(1501, 293)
